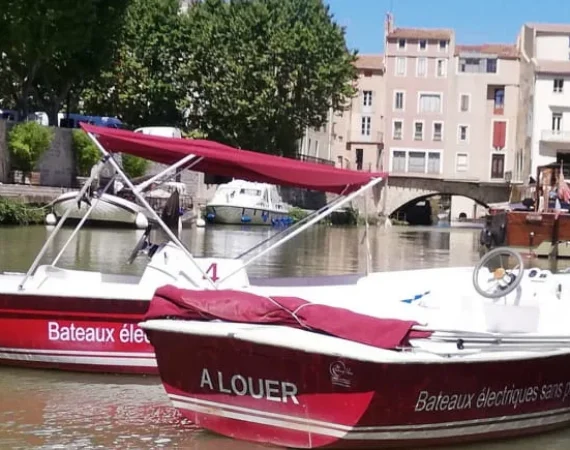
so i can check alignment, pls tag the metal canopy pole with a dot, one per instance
(58, 226)
(159, 175)
(290, 229)
(367, 237)
(82, 221)
(314, 220)
(153, 213)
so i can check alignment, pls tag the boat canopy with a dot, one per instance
(219, 159)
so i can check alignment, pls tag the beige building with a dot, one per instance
(545, 49)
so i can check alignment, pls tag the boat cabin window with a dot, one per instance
(254, 192)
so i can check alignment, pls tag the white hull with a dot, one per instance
(237, 215)
(109, 209)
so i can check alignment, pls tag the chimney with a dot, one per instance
(389, 24)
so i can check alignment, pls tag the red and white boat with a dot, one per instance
(478, 354)
(52, 317)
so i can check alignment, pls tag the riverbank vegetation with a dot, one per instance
(252, 74)
(13, 212)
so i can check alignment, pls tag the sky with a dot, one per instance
(474, 22)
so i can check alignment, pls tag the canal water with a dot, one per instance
(57, 410)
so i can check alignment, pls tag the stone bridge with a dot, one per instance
(406, 190)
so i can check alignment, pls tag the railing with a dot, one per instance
(555, 135)
(313, 159)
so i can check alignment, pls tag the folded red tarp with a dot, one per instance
(244, 307)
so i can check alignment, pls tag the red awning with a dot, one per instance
(219, 159)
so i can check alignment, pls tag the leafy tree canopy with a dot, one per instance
(261, 71)
(143, 85)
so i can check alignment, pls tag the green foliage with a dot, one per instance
(133, 166)
(194, 134)
(297, 214)
(143, 85)
(86, 152)
(17, 213)
(27, 142)
(52, 47)
(261, 71)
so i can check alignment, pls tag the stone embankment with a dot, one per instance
(31, 194)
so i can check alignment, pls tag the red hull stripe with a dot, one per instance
(449, 430)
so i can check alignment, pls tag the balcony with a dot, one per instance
(376, 138)
(555, 136)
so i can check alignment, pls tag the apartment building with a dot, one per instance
(484, 90)
(453, 109)
(316, 144)
(418, 99)
(546, 52)
(358, 140)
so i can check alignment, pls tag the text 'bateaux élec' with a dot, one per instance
(127, 334)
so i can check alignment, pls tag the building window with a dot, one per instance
(557, 122)
(422, 44)
(397, 130)
(398, 161)
(558, 85)
(365, 126)
(443, 45)
(478, 65)
(463, 133)
(401, 66)
(416, 162)
(399, 101)
(367, 98)
(437, 131)
(461, 162)
(498, 166)
(418, 131)
(491, 65)
(499, 100)
(316, 148)
(359, 158)
(421, 67)
(441, 68)
(430, 103)
(464, 103)
(434, 162)
(401, 44)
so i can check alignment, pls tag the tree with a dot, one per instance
(50, 46)
(261, 71)
(143, 87)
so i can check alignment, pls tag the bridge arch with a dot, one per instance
(404, 191)
(428, 196)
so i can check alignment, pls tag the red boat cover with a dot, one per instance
(219, 159)
(243, 307)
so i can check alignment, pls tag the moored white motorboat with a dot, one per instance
(110, 210)
(80, 320)
(246, 202)
(293, 367)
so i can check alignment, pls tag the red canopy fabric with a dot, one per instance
(244, 307)
(223, 160)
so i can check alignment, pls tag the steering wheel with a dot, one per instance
(141, 244)
(502, 281)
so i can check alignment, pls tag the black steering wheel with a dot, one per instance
(502, 281)
(143, 243)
